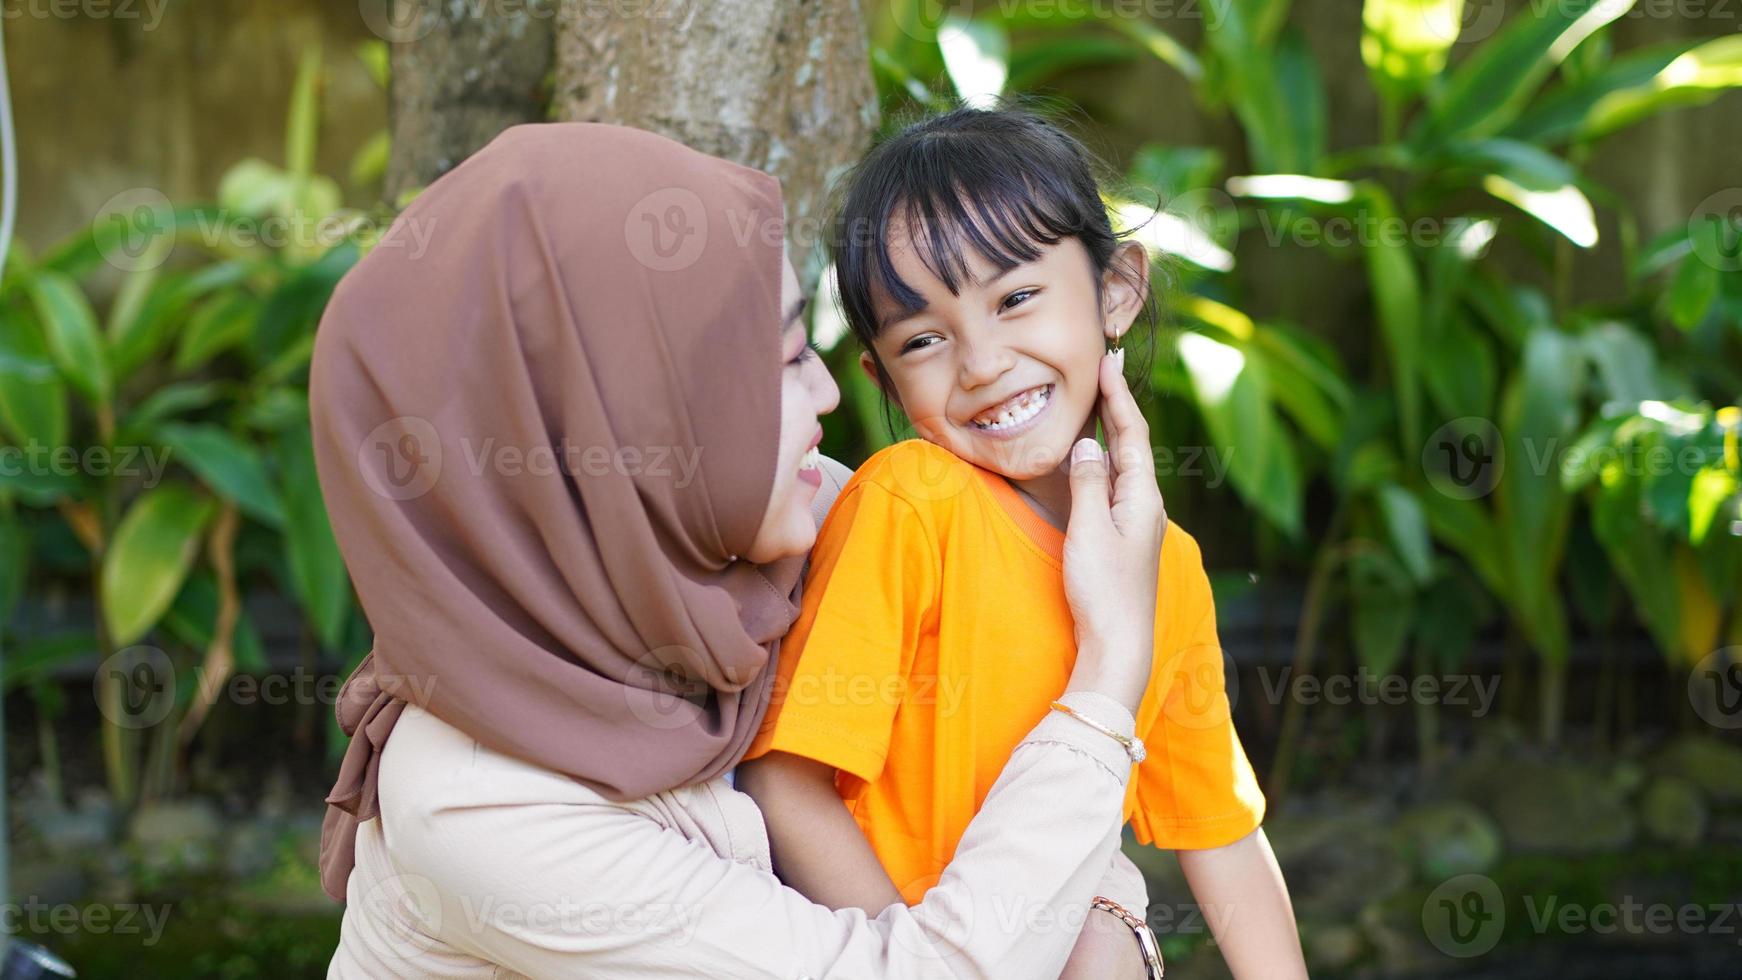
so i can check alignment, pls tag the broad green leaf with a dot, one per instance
(1487, 90)
(166, 403)
(1561, 114)
(317, 571)
(1693, 78)
(219, 324)
(228, 465)
(33, 399)
(1233, 395)
(14, 567)
(304, 116)
(1459, 369)
(194, 615)
(38, 657)
(1397, 300)
(149, 557)
(1696, 283)
(1711, 487)
(1626, 363)
(1382, 610)
(1406, 526)
(70, 329)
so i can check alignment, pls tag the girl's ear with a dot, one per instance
(1124, 288)
(869, 366)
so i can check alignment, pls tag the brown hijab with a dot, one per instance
(546, 413)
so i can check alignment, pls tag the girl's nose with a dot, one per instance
(982, 364)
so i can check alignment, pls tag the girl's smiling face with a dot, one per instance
(1004, 372)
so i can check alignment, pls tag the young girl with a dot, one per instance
(979, 271)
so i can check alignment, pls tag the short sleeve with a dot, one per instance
(1196, 789)
(869, 594)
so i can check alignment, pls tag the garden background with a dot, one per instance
(1447, 386)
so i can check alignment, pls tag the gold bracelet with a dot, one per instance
(1145, 936)
(1132, 744)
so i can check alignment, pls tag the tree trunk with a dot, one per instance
(780, 85)
(461, 73)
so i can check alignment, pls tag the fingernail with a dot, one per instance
(1119, 355)
(1084, 451)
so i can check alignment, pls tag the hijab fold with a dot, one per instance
(543, 434)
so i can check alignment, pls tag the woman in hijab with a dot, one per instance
(568, 454)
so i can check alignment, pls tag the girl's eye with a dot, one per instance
(915, 343)
(1016, 298)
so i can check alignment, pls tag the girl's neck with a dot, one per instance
(1049, 494)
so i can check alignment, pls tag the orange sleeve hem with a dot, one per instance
(1197, 834)
(827, 746)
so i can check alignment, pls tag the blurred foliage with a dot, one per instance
(1500, 419)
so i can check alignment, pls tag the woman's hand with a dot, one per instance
(1112, 551)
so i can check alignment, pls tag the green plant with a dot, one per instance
(198, 367)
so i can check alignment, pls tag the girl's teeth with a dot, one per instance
(1021, 410)
(811, 459)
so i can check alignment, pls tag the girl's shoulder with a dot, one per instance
(915, 471)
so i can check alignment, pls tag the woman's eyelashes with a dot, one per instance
(805, 353)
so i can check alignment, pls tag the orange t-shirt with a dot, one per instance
(934, 635)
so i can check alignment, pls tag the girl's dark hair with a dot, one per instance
(1003, 181)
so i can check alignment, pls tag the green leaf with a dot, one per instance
(1406, 525)
(38, 657)
(1397, 298)
(219, 324)
(14, 567)
(1404, 42)
(1626, 363)
(165, 403)
(1693, 78)
(293, 308)
(1382, 610)
(1488, 89)
(228, 465)
(149, 558)
(195, 614)
(33, 399)
(1232, 392)
(304, 115)
(1695, 286)
(1459, 368)
(1561, 114)
(70, 328)
(1711, 487)
(317, 571)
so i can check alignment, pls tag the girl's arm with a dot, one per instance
(1240, 888)
(818, 848)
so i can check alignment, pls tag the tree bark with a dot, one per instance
(461, 73)
(780, 85)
